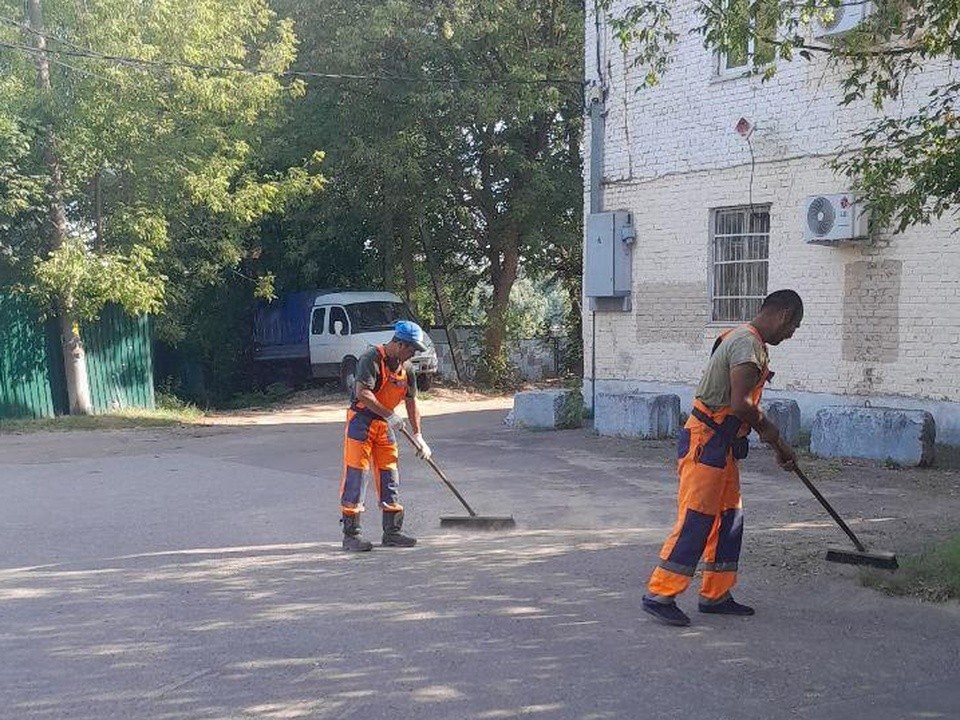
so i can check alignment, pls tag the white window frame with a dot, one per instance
(738, 70)
(747, 312)
(722, 71)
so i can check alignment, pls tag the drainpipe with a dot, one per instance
(596, 91)
(596, 112)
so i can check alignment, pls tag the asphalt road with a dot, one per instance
(196, 573)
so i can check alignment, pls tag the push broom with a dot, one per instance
(471, 521)
(860, 556)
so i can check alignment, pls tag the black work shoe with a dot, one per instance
(665, 612)
(398, 540)
(727, 607)
(355, 543)
(392, 537)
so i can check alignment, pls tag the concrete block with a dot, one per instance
(905, 437)
(785, 414)
(644, 415)
(547, 409)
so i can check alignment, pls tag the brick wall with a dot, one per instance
(882, 317)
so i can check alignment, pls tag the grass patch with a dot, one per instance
(269, 397)
(133, 418)
(932, 575)
(947, 457)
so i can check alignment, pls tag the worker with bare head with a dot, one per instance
(709, 525)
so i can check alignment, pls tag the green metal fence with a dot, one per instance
(32, 380)
(119, 362)
(25, 387)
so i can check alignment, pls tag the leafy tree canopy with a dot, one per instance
(157, 110)
(465, 132)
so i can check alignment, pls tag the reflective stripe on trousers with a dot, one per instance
(709, 522)
(369, 440)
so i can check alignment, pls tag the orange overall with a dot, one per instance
(368, 436)
(709, 522)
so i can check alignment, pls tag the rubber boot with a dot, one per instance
(351, 535)
(392, 537)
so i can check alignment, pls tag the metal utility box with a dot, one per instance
(609, 254)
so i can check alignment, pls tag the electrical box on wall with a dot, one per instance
(608, 252)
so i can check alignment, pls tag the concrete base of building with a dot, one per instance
(946, 413)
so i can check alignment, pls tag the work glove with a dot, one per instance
(394, 421)
(423, 450)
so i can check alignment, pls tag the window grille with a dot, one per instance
(740, 245)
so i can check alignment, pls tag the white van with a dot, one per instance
(330, 329)
(343, 325)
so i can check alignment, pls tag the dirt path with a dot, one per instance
(321, 405)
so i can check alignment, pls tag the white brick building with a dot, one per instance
(882, 320)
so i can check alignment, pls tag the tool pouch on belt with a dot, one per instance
(714, 452)
(740, 447)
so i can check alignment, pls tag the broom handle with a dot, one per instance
(439, 472)
(829, 509)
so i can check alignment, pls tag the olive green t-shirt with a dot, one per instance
(368, 372)
(739, 347)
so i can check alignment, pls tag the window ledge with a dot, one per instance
(744, 72)
(728, 75)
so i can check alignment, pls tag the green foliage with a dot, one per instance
(18, 192)
(471, 141)
(270, 396)
(646, 27)
(494, 372)
(120, 420)
(571, 411)
(171, 403)
(86, 281)
(904, 163)
(191, 191)
(537, 308)
(160, 156)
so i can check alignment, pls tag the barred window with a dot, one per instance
(740, 245)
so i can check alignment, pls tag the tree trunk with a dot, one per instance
(504, 260)
(74, 359)
(75, 367)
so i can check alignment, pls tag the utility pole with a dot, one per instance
(74, 358)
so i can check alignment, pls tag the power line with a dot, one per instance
(80, 52)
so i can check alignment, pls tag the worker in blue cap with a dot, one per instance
(384, 378)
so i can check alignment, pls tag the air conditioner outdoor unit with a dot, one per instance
(833, 22)
(829, 219)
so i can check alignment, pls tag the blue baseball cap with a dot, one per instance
(409, 332)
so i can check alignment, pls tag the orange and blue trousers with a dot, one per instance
(709, 525)
(368, 440)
